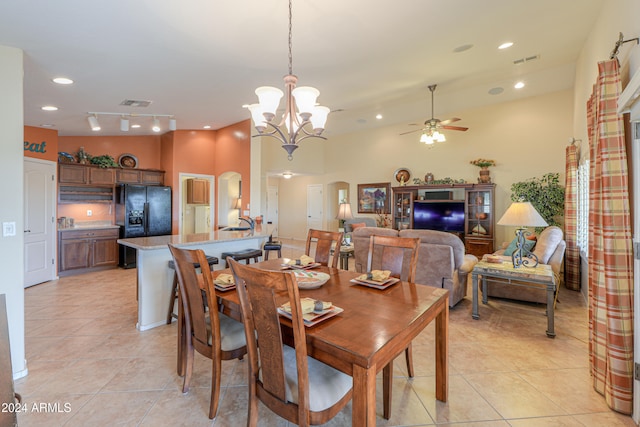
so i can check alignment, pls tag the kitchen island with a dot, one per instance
(155, 279)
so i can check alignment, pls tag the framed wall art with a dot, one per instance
(374, 198)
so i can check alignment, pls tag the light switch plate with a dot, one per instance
(8, 229)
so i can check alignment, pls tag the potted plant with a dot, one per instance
(483, 164)
(104, 161)
(545, 194)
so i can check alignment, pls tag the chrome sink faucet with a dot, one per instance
(248, 221)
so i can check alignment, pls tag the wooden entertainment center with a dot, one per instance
(478, 229)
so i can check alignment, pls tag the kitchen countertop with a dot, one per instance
(218, 236)
(89, 227)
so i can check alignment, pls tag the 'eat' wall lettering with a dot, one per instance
(35, 147)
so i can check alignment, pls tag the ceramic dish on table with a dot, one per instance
(374, 284)
(314, 317)
(301, 267)
(310, 279)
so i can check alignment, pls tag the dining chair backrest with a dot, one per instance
(396, 254)
(280, 376)
(325, 242)
(204, 330)
(194, 302)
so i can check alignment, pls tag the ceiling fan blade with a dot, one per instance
(451, 120)
(454, 128)
(411, 131)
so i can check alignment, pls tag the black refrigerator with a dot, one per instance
(141, 211)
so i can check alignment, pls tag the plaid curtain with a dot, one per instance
(572, 254)
(610, 252)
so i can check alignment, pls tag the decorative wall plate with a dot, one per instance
(128, 161)
(402, 175)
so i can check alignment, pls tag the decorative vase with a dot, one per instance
(485, 176)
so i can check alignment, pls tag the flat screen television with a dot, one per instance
(441, 215)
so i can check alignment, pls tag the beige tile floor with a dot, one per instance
(85, 355)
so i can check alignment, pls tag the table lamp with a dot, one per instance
(344, 212)
(522, 215)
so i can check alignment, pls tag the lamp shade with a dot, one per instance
(344, 212)
(238, 203)
(319, 117)
(269, 99)
(305, 98)
(522, 214)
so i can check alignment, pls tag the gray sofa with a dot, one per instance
(549, 249)
(442, 261)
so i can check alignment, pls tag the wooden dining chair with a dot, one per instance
(324, 242)
(400, 256)
(210, 333)
(281, 376)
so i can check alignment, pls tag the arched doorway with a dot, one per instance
(229, 199)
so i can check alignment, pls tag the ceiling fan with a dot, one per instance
(430, 132)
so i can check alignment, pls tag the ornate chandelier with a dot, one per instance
(300, 110)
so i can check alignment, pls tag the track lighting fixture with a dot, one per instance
(93, 122)
(125, 120)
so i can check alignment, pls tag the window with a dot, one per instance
(582, 238)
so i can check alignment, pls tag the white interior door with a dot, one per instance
(272, 209)
(39, 221)
(314, 206)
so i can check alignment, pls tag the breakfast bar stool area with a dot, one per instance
(211, 260)
(272, 245)
(245, 254)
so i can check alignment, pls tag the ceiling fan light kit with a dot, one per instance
(431, 131)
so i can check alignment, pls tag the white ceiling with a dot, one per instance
(201, 60)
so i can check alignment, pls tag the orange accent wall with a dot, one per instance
(208, 152)
(37, 140)
(146, 148)
(233, 154)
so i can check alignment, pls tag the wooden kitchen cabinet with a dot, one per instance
(69, 173)
(140, 176)
(102, 176)
(87, 250)
(197, 191)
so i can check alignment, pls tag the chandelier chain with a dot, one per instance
(290, 44)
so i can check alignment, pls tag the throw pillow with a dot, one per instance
(357, 225)
(548, 241)
(528, 245)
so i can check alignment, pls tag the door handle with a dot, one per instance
(27, 231)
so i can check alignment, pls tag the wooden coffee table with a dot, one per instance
(539, 277)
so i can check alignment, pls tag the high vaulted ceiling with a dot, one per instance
(201, 60)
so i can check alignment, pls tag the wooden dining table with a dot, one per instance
(375, 327)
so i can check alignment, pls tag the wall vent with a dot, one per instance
(527, 59)
(135, 103)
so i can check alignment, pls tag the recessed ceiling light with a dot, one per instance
(49, 108)
(206, 127)
(505, 45)
(135, 126)
(62, 81)
(519, 85)
(496, 90)
(47, 125)
(462, 48)
(287, 175)
(379, 116)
